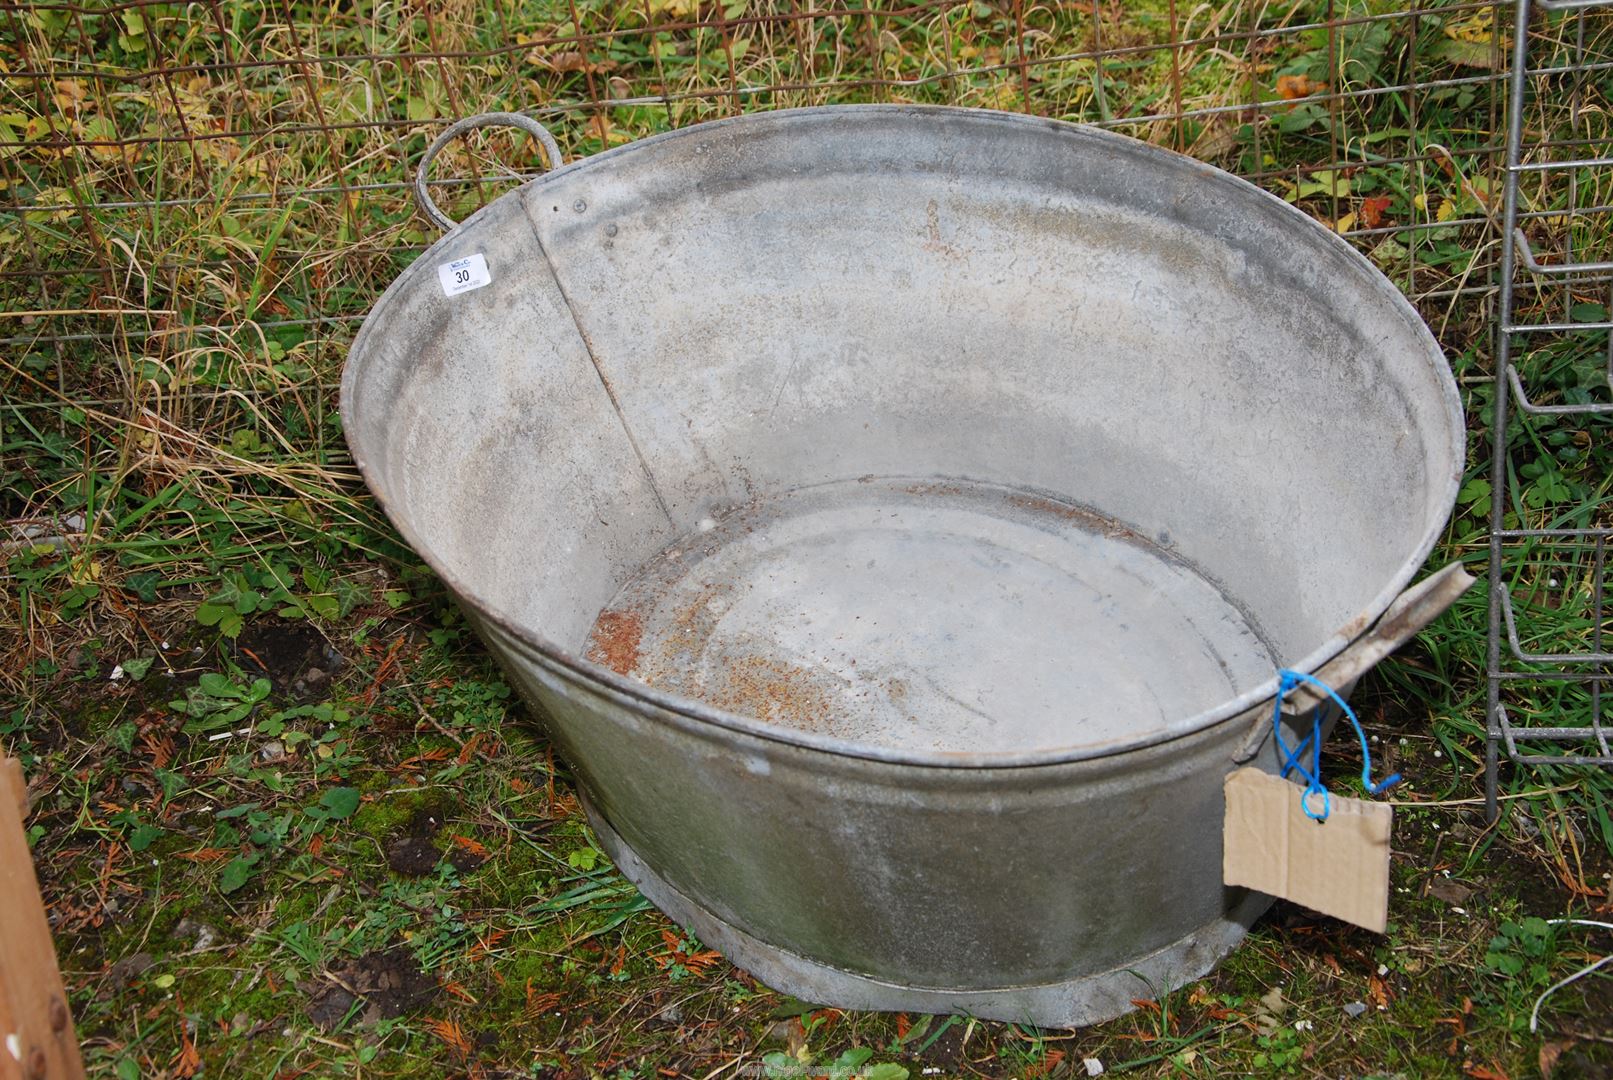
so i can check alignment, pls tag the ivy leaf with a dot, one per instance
(143, 837)
(136, 668)
(144, 586)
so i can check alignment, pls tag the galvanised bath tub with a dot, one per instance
(899, 516)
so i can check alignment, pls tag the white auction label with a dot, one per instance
(463, 275)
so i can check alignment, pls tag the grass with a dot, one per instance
(203, 199)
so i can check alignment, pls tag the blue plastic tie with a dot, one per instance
(1288, 681)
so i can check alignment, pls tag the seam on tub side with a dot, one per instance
(599, 371)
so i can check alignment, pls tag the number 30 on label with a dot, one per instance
(463, 275)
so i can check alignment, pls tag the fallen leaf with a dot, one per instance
(475, 847)
(206, 854)
(1373, 210)
(485, 946)
(1344, 224)
(1449, 891)
(1473, 54)
(159, 748)
(1481, 1072)
(1478, 28)
(451, 1033)
(1050, 1061)
(459, 991)
(1549, 1053)
(188, 1060)
(574, 61)
(439, 754)
(537, 1004)
(1269, 1010)
(1291, 87)
(698, 962)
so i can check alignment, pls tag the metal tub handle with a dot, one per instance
(1412, 610)
(551, 154)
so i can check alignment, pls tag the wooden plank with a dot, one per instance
(36, 1030)
(11, 774)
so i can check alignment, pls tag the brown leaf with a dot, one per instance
(1049, 1062)
(188, 1060)
(206, 854)
(574, 61)
(698, 962)
(160, 748)
(475, 847)
(537, 1004)
(1290, 87)
(1482, 1072)
(451, 1033)
(1549, 1053)
(1449, 891)
(459, 991)
(485, 946)
(1373, 210)
(439, 754)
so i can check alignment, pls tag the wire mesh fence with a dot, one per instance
(1553, 402)
(202, 200)
(175, 172)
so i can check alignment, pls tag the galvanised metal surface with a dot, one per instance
(899, 515)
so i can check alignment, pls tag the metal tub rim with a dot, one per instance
(628, 691)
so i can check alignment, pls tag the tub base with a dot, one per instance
(1075, 1003)
(949, 614)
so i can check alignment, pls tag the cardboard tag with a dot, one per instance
(1339, 867)
(463, 275)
